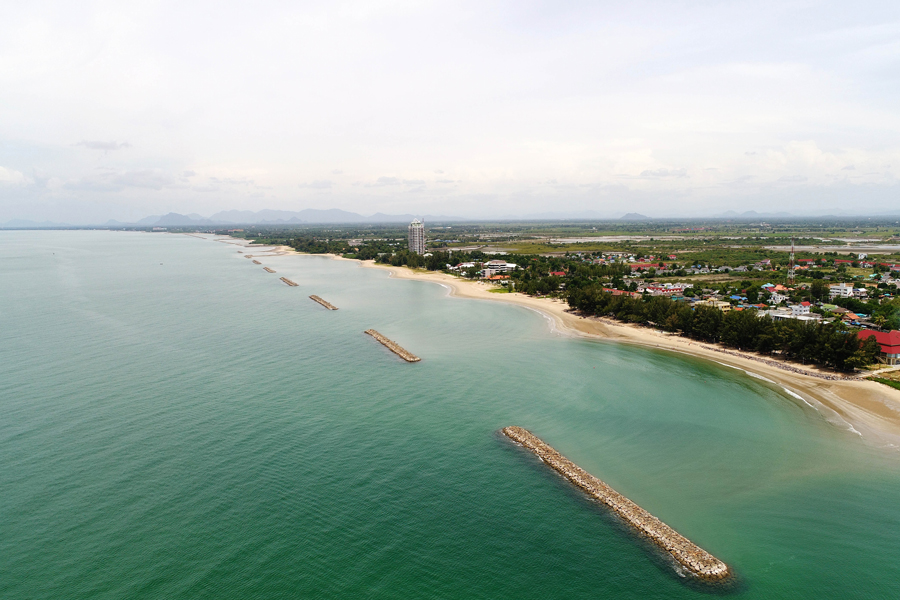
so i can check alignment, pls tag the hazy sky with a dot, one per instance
(124, 109)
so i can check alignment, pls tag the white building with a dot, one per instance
(800, 309)
(841, 290)
(500, 266)
(417, 237)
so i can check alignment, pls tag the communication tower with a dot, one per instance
(791, 266)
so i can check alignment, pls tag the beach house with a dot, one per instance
(889, 342)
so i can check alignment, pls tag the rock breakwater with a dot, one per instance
(256, 262)
(393, 346)
(289, 282)
(327, 305)
(268, 270)
(695, 560)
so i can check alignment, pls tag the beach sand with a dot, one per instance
(862, 407)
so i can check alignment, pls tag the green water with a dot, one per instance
(177, 423)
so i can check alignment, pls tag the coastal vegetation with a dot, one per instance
(830, 345)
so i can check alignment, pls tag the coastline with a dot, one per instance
(854, 404)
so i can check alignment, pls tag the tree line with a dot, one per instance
(831, 345)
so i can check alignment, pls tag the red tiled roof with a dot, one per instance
(889, 340)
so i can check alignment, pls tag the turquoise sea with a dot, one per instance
(177, 423)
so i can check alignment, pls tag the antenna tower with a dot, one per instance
(791, 266)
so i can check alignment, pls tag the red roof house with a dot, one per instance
(889, 342)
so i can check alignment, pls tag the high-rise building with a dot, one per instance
(417, 237)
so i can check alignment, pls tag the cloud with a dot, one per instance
(11, 176)
(446, 181)
(740, 182)
(337, 172)
(439, 172)
(793, 179)
(146, 178)
(749, 153)
(153, 179)
(658, 173)
(233, 181)
(189, 173)
(849, 168)
(319, 184)
(105, 146)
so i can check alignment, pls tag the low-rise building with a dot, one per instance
(840, 290)
(889, 342)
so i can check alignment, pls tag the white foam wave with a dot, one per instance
(797, 396)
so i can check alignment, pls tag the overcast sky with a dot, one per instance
(481, 109)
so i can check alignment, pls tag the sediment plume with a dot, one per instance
(268, 270)
(393, 346)
(695, 560)
(289, 282)
(327, 305)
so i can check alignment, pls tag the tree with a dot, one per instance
(818, 290)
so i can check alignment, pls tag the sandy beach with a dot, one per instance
(862, 407)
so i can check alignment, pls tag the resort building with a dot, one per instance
(889, 342)
(417, 237)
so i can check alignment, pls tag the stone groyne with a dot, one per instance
(268, 270)
(256, 262)
(327, 305)
(393, 346)
(289, 282)
(695, 560)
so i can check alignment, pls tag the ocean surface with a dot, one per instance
(177, 423)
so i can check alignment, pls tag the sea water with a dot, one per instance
(177, 423)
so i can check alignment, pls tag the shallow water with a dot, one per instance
(179, 423)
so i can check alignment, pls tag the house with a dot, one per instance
(557, 273)
(615, 292)
(777, 298)
(800, 309)
(889, 342)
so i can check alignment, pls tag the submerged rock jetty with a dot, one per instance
(695, 560)
(289, 282)
(268, 270)
(327, 305)
(393, 346)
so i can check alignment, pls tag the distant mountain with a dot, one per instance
(307, 216)
(635, 217)
(177, 220)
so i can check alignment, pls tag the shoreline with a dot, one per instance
(864, 408)
(851, 403)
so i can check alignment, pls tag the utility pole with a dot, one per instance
(791, 266)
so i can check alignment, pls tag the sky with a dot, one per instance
(119, 110)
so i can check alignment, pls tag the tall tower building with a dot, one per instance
(417, 237)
